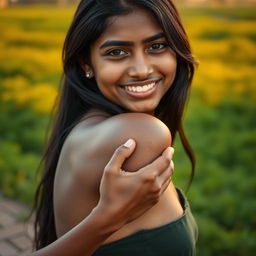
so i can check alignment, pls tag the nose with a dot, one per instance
(140, 68)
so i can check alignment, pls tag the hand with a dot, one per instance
(127, 195)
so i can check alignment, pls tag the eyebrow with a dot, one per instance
(128, 43)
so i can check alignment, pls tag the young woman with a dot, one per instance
(127, 65)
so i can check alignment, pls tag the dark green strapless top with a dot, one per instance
(177, 238)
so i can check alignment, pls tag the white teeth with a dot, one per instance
(140, 88)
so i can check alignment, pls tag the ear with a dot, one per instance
(87, 69)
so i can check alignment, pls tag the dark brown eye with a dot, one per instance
(157, 46)
(117, 52)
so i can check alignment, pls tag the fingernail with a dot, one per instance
(170, 153)
(128, 143)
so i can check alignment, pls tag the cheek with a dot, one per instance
(107, 75)
(168, 67)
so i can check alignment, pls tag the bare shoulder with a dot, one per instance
(99, 140)
(90, 146)
(88, 149)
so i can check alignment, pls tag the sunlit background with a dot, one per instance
(220, 119)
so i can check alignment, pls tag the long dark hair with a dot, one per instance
(80, 94)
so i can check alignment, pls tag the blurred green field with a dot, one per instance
(220, 118)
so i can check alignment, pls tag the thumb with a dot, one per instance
(120, 155)
(168, 153)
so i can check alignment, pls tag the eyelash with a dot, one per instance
(110, 53)
(163, 46)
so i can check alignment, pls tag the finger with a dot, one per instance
(166, 175)
(172, 165)
(168, 153)
(165, 186)
(120, 155)
(158, 166)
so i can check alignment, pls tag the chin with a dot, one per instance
(147, 110)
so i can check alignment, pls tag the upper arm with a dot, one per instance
(150, 134)
(92, 149)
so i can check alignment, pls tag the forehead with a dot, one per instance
(134, 26)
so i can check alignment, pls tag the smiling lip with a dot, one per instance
(140, 90)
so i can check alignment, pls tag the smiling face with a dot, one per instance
(132, 62)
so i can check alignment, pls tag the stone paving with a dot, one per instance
(15, 232)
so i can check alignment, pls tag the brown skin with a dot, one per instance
(131, 194)
(91, 144)
(77, 184)
(94, 202)
(139, 63)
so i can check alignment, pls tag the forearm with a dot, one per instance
(83, 239)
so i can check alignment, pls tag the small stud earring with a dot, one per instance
(87, 74)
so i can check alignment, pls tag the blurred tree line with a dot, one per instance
(5, 3)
